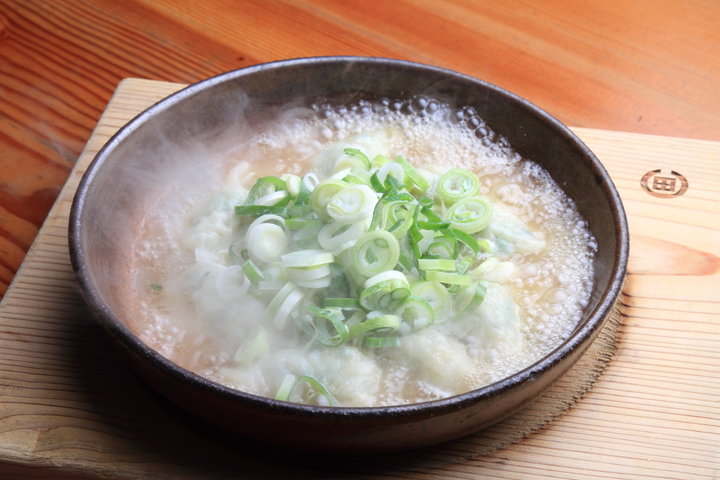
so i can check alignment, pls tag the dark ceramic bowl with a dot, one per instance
(109, 203)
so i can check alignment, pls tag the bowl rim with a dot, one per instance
(578, 338)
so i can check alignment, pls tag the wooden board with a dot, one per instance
(69, 407)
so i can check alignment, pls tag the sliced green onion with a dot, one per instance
(274, 275)
(432, 225)
(266, 241)
(340, 286)
(264, 186)
(285, 301)
(470, 215)
(301, 223)
(416, 314)
(436, 295)
(393, 185)
(259, 210)
(463, 237)
(329, 326)
(309, 268)
(321, 195)
(443, 247)
(377, 324)
(289, 384)
(375, 252)
(286, 386)
(417, 178)
(456, 184)
(307, 258)
(448, 278)
(385, 291)
(379, 161)
(443, 264)
(352, 204)
(353, 158)
(337, 237)
(391, 169)
(273, 199)
(304, 274)
(307, 185)
(469, 298)
(342, 303)
(357, 176)
(252, 272)
(405, 263)
(293, 183)
(415, 236)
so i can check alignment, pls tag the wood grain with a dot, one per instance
(69, 407)
(642, 66)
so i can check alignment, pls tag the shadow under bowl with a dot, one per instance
(109, 204)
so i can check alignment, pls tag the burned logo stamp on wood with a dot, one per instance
(664, 185)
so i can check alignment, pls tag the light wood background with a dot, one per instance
(645, 66)
(70, 408)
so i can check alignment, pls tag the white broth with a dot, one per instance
(200, 309)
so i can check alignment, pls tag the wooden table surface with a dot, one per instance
(649, 66)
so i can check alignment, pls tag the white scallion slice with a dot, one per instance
(266, 242)
(337, 237)
(456, 184)
(375, 252)
(292, 182)
(436, 295)
(391, 168)
(421, 183)
(307, 258)
(322, 194)
(301, 274)
(252, 272)
(448, 278)
(290, 383)
(271, 198)
(292, 302)
(416, 313)
(352, 205)
(470, 215)
(385, 291)
(310, 181)
(375, 324)
(469, 297)
(442, 264)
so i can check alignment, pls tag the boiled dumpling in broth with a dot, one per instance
(511, 235)
(352, 376)
(439, 363)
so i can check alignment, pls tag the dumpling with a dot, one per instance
(511, 235)
(439, 362)
(352, 377)
(496, 322)
(210, 227)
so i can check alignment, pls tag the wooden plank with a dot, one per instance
(69, 407)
